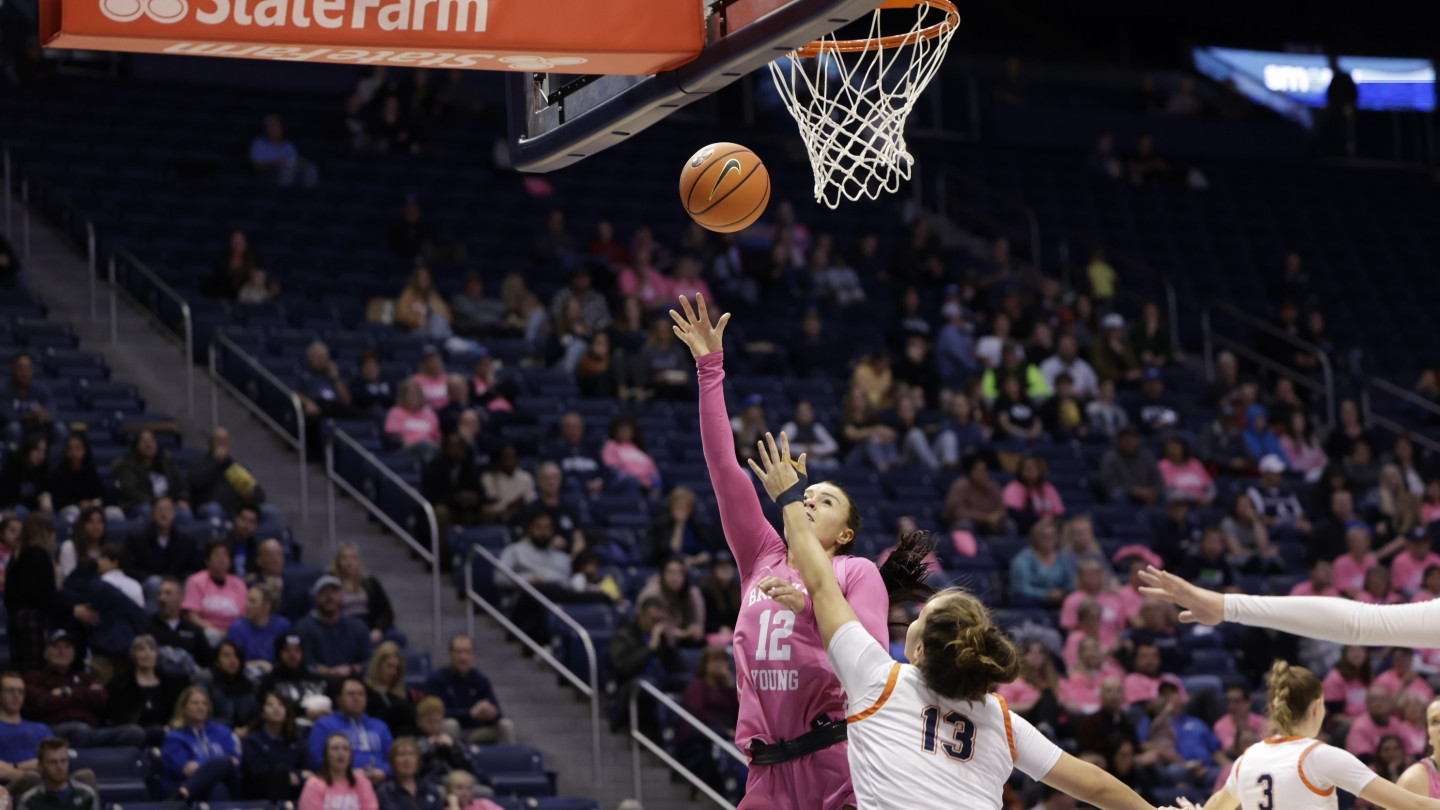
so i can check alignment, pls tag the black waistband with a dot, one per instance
(823, 733)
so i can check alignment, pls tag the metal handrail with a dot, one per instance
(430, 555)
(188, 347)
(1327, 370)
(64, 202)
(297, 441)
(590, 690)
(637, 740)
(1369, 417)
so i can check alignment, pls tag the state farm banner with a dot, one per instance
(634, 37)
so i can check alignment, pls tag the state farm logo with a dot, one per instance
(161, 11)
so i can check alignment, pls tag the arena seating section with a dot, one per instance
(161, 170)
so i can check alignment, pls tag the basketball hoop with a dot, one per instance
(851, 97)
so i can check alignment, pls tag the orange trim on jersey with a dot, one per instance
(1278, 740)
(1009, 731)
(884, 696)
(1300, 766)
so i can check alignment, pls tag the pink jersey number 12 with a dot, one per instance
(775, 630)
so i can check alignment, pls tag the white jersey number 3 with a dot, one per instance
(774, 629)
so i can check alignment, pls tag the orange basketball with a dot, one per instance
(725, 187)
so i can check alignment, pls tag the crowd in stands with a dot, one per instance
(251, 681)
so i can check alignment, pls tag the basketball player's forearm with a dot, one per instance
(1339, 620)
(816, 571)
(741, 515)
(1092, 785)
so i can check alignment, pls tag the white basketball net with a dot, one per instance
(851, 107)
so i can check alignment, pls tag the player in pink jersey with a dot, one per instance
(1424, 776)
(792, 707)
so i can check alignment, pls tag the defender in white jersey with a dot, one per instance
(1295, 771)
(931, 736)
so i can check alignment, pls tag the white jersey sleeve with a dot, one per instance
(861, 664)
(1327, 618)
(1034, 753)
(1329, 767)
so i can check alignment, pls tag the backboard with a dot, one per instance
(559, 119)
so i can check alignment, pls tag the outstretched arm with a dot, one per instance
(747, 532)
(1089, 784)
(1321, 617)
(779, 475)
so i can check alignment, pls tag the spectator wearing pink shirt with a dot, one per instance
(1129, 594)
(1376, 721)
(1321, 581)
(1402, 677)
(646, 283)
(215, 598)
(1184, 475)
(1080, 689)
(1090, 579)
(1430, 585)
(624, 453)
(1238, 715)
(412, 423)
(1430, 507)
(1089, 626)
(1351, 566)
(1410, 710)
(1032, 695)
(1377, 590)
(1030, 497)
(1346, 684)
(1407, 570)
(433, 381)
(1304, 451)
(1143, 685)
(687, 280)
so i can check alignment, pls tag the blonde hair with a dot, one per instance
(1293, 690)
(177, 717)
(429, 706)
(359, 563)
(966, 654)
(386, 649)
(456, 776)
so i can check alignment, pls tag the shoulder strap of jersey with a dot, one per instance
(1300, 766)
(1009, 729)
(880, 701)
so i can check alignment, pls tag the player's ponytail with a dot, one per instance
(904, 572)
(964, 655)
(1292, 692)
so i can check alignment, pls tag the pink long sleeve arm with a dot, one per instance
(865, 591)
(747, 532)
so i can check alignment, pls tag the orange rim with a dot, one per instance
(951, 21)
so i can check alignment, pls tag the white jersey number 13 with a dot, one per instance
(775, 627)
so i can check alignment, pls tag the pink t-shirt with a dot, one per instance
(1391, 682)
(1130, 600)
(1112, 612)
(1349, 574)
(1189, 478)
(1413, 738)
(1018, 692)
(782, 674)
(1430, 512)
(1045, 501)
(1307, 588)
(413, 426)
(1140, 687)
(1225, 728)
(630, 460)
(653, 290)
(1352, 692)
(1408, 573)
(217, 605)
(1071, 653)
(340, 796)
(436, 389)
(1082, 689)
(1364, 737)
